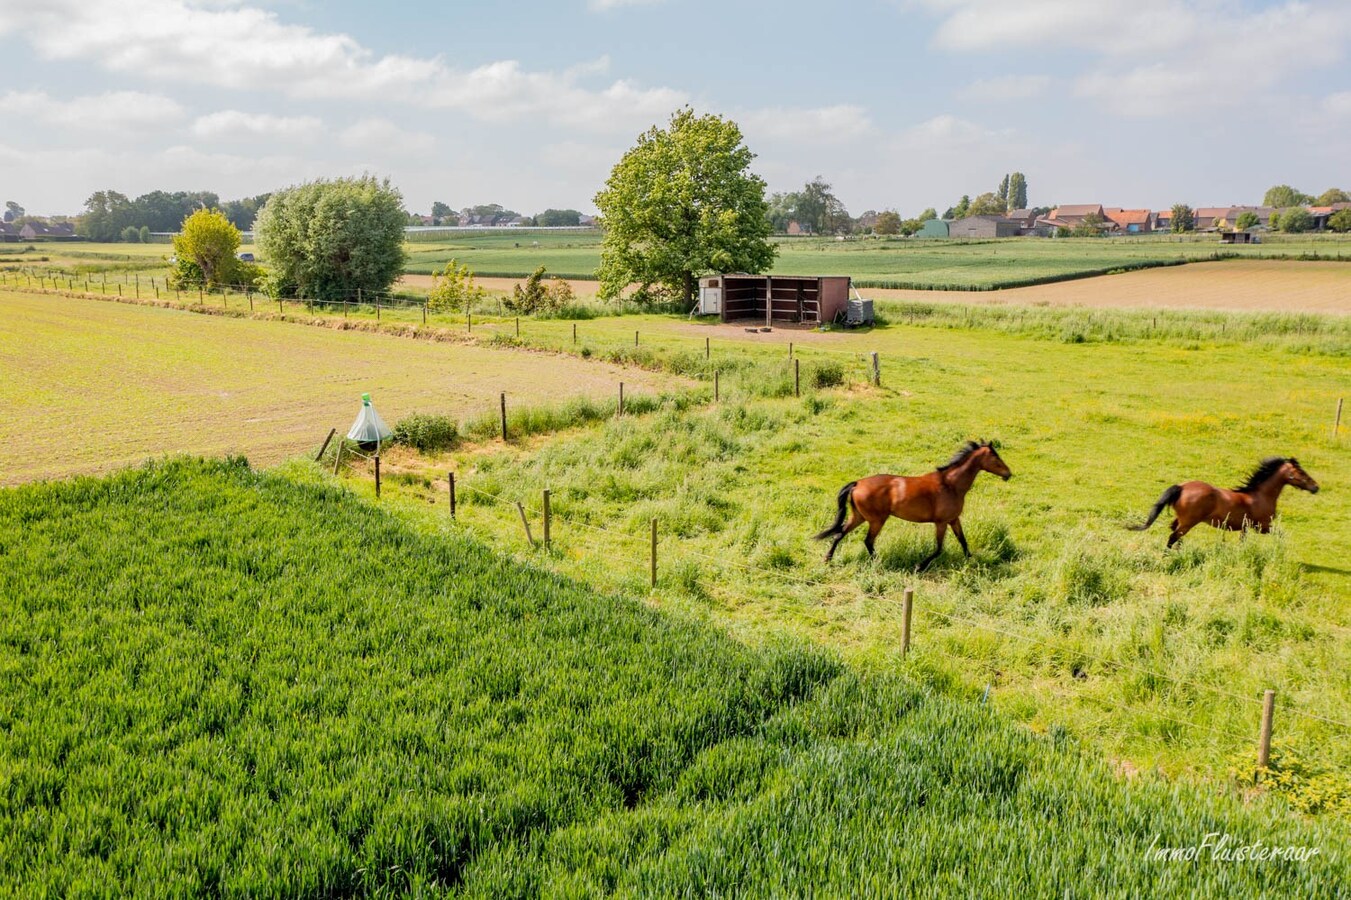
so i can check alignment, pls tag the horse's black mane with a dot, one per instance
(960, 456)
(1265, 469)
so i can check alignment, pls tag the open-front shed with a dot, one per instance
(786, 299)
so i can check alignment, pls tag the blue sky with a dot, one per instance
(898, 103)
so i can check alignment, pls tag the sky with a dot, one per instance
(900, 104)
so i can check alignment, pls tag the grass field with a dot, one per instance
(1157, 657)
(133, 381)
(224, 683)
(873, 262)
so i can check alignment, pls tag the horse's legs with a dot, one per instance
(961, 538)
(942, 529)
(856, 521)
(874, 529)
(1178, 530)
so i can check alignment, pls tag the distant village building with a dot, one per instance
(933, 228)
(983, 227)
(1130, 221)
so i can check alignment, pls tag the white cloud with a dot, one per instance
(947, 131)
(382, 135)
(233, 123)
(1338, 104)
(1005, 87)
(1159, 57)
(114, 110)
(823, 125)
(246, 48)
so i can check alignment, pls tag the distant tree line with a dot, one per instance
(496, 215)
(112, 216)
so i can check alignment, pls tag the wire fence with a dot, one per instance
(955, 620)
(553, 334)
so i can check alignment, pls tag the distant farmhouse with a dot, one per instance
(33, 230)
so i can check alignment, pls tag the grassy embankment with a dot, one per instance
(239, 684)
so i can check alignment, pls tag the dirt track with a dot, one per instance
(1241, 285)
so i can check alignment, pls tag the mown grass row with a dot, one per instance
(221, 682)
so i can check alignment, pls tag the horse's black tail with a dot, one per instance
(1168, 499)
(846, 493)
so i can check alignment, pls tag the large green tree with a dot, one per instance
(558, 218)
(1183, 219)
(1340, 220)
(1296, 220)
(1282, 195)
(1017, 191)
(888, 222)
(988, 204)
(1246, 219)
(327, 240)
(106, 213)
(681, 203)
(1331, 196)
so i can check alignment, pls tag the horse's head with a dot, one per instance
(992, 463)
(1294, 474)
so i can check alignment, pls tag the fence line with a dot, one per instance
(950, 617)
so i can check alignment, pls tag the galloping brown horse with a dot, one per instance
(1249, 506)
(936, 497)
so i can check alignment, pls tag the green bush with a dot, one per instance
(827, 374)
(427, 433)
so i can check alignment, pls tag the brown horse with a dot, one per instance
(1249, 506)
(936, 497)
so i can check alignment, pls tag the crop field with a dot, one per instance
(221, 682)
(876, 262)
(97, 385)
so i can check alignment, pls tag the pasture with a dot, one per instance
(230, 683)
(1159, 658)
(131, 382)
(880, 262)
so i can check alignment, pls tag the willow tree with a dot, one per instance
(682, 203)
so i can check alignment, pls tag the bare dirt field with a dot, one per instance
(89, 386)
(1237, 285)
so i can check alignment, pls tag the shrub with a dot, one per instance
(453, 288)
(537, 297)
(827, 374)
(427, 433)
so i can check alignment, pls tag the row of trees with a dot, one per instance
(1281, 196)
(495, 214)
(112, 216)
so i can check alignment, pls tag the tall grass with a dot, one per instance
(218, 682)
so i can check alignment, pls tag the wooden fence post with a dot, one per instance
(654, 553)
(797, 378)
(547, 516)
(708, 350)
(574, 332)
(635, 339)
(451, 478)
(518, 326)
(716, 373)
(1337, 422)
(526, 523)
(249, 294)
(377, 306)
(1264, 739)
(320, 455)
(790, 349)
(877, 371)
(469, 321)
(907, 605)
(621, 398)
(377, 476)
(424, 312)
(504, 415)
